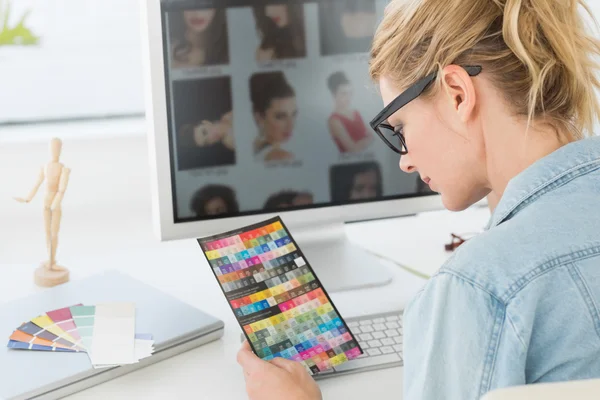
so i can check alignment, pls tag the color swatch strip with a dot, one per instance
(106, 332)
(276, 297)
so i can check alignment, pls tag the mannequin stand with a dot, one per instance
(45, 277)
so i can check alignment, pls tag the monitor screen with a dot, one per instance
(268, 107)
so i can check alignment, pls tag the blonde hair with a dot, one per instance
(536, 52)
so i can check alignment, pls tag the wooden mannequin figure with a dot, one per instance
(56, 176)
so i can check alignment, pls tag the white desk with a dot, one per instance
(107, 225)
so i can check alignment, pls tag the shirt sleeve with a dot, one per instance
(453, 332)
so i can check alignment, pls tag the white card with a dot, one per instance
(143, 349)
(113, 340)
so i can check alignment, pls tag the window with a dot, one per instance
(87, 63)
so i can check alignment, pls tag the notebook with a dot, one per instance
(175, 326)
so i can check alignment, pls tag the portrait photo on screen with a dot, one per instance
(355, 182)
(347, 128)
(346, 26)
(211, 200)
(198, 37)
(275, 109)
(204, 123)
(281, 31)
(288, 199)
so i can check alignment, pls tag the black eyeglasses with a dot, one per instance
(388, 133)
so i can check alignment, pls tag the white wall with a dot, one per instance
(88, 62)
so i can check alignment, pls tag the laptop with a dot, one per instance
(176, 327)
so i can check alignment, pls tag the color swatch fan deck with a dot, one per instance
(106, 332)
(276, 297)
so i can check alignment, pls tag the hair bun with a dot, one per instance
(266, 86)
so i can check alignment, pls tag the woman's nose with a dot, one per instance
(406, 164)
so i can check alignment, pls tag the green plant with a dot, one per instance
(17, 35)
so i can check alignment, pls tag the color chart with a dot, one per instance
(106, 332)
(279, 302)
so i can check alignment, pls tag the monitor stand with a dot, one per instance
(339, 263)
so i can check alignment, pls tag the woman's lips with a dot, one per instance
(198, 21)
(426, 180)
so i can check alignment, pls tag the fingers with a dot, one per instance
(290, 366)
(246, 345)
(248, 360)
(228, 117)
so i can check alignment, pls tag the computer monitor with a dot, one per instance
(261, 108)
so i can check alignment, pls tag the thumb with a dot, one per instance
(288, 365)
(247, 359)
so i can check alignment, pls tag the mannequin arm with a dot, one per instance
(33, 192)
(62, 187)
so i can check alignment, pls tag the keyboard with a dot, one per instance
(380, 337)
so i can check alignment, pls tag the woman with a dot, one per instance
(214, 200)
(281, 30)
(346, 26)
(287, 199)
(207, 143)
(361, 181)
(275, 111)
(208, 133)
(346, 126)
(199, 38)
(507, 112)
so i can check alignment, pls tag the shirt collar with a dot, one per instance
(572, 159)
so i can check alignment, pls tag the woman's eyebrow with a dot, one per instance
(396, 119)
(393, 120)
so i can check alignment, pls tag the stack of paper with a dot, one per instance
(106, 332)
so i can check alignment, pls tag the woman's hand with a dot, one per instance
(209, 133)
(263, 55)
(227, 127)
(277, 379)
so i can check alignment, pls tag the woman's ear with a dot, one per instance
(460, 90)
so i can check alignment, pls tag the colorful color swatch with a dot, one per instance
(44, 321)
(64, 320)
(106, 332)
(23, 337)
(12, 344)
(281, 305)
(34, 330)
(83, 317)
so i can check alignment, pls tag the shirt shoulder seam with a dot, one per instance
(470, 281)
(550, 184)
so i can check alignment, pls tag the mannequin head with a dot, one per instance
(55, 149)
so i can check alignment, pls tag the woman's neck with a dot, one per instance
(342, 110)
(197, 40)
(512, 148)
(269, 143)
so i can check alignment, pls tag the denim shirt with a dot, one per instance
(520, 302)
